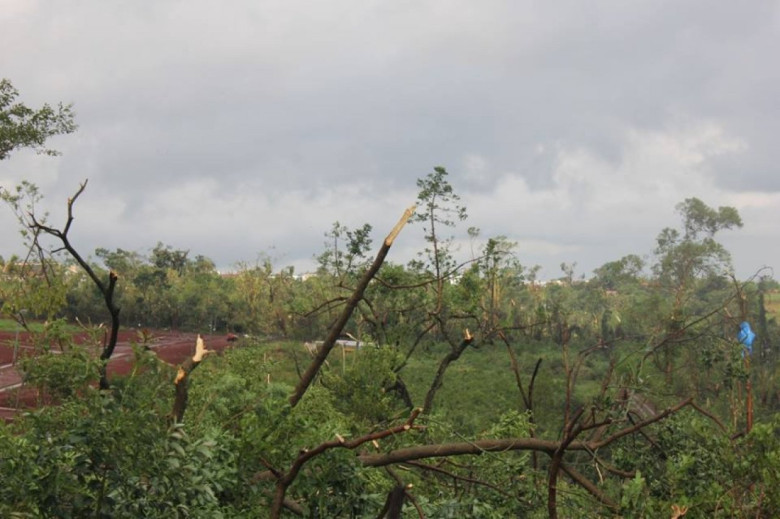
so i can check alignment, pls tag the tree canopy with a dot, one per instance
(25, 127)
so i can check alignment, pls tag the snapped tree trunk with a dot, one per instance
(182, 379)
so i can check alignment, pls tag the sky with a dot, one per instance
(245, 129)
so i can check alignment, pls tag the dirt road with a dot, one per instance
(170, 346)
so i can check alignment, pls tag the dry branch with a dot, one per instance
(308, 377)
(106, 289)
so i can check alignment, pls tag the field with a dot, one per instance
(772, 302)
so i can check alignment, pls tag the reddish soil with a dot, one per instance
(170, 346)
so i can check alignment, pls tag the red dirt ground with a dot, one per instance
(171, 346)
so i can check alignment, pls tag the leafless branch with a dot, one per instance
(106, 288)
(589, 486)
(439, 470)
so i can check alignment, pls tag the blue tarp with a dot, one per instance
(746, 338)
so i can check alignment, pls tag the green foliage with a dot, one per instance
(634, 498)
(683, 257)
(262, 299)
(360, 389)
(60, 374)
(620, 274)
(700, 219)
(616, 347)
(698, 468)
(439, 209)
(24, 127)
(111, 455)
(757, 469)
(345, 250)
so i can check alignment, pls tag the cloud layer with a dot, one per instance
(238, 128)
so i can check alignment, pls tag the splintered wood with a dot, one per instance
(200, 350)
(400, 225)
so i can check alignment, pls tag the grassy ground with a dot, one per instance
(772, 302)
(477, 389)
(9, 325)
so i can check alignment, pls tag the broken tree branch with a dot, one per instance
(346, 313)
(284, 482)
(449, 474)
(182, 379)
(451, 357)
(106, 289)
(640, 425)
(589, 486)
(408, 455)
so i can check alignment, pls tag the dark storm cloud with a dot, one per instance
(201, 120)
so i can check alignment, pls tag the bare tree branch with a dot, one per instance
(589, 486)
(457, 449)
(439, 470)
(451, 357)
(106, 288)
(640, 425)
(515, 369)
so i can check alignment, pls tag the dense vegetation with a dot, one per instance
(479, 392)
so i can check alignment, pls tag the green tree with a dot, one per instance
(37, 287)
(165, 257)
(683, 257)
(615, 275)
(124, 263)
(619, 285)
(260, 306)
(346, 250)
(438, 210)
(24, 127)
(345, 257)
(490, 288)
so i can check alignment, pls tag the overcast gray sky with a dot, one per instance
(245, 127)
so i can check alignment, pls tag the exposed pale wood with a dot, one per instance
(182, 375)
